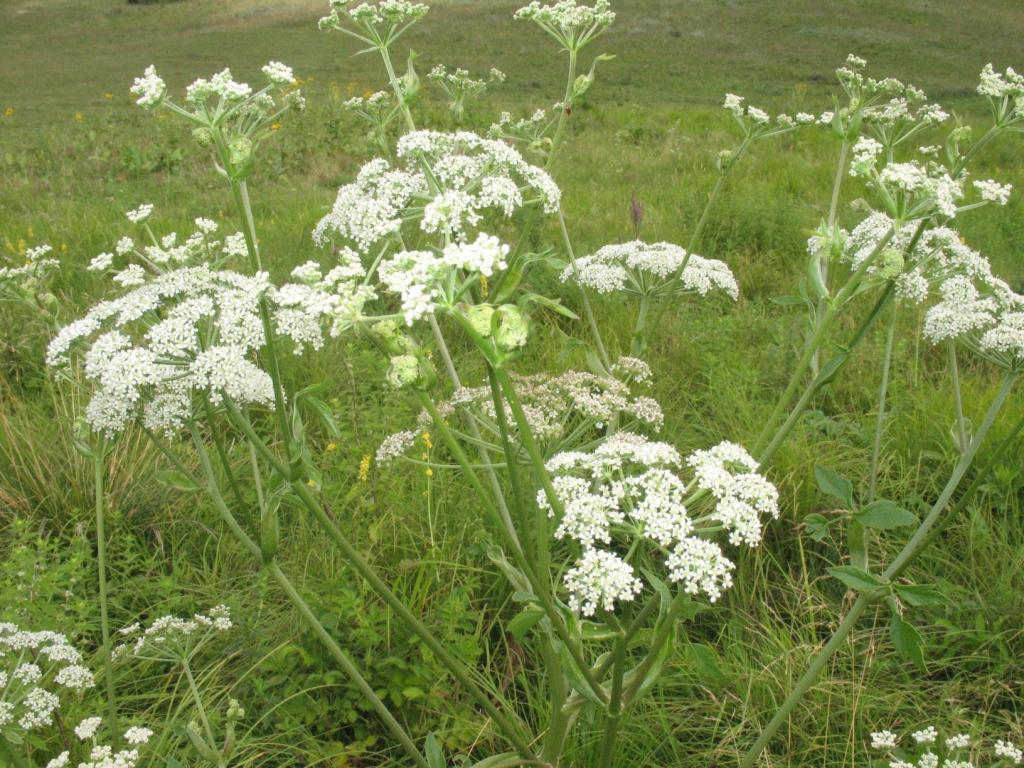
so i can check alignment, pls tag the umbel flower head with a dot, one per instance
(230, 117)
(36, 669)
(758, 124)
(172, 638)
(928, 748)
(102, 755)
(647, 270)
(572, 25)
(469, 176)
(563, 411)
(461, 88)
(183, 332)
(627, 496)
(378, 24)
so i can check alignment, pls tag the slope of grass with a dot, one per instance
(72, 160)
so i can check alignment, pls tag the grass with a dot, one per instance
(72, 160)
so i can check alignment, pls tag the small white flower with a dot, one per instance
(86, 729)
(278, 73)
(138, 735)
(101, 262)
(149, 88)
(883, 740)
(140, 214)
(993, 191)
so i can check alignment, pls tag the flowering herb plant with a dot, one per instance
(609, 539)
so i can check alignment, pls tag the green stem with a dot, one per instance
(883, 393)
(588, 310)
(954, 372)
(558, 691)
(910, 550)
(696, 235)
(534, 574)
(200, 708)
(213, 490)
(240, 193)
(833, 210)
(367, 572)
(817, 338)
(385, 54)
(347, 666)
(613, 718)
(639, 342)
(99, 488)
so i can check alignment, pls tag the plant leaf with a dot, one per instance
(834, 485)
(855, 578)
(884, 514)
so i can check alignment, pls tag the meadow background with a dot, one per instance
(75, 154)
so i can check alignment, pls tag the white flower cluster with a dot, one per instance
(35, 667)
(419, 277)
(101, 755)
(390, 12)
(468, 175)
(150, 88)
(566, 15)
(644, 268)
(744, 497)
(194, 330)
(757, 122)
(628, 489)
(221, 98)
(30, 275)
(989, 320)
(996, 85)
(555, 406)
(171, 638)
(929, 751)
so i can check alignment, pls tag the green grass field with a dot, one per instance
(75, 153)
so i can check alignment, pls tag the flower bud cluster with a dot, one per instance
(645, 269)
(926, 748)
(628, 489)
(172, 638)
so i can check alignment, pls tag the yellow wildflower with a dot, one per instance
(364, 468)
(78, 117)
(8, 111)
(429, 472)
(332, 446)
(108, 96)
(275, 126)
(484, 288)
(425, 437)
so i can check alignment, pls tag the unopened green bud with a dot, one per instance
(890, 264)
(235, 711)
(203, 136)
(479, 317)
(240, 156)
(409, 83)
(960, 133)
(394, 338)
(403, 371)
(513, 329)
(725, 159)
(581, 85)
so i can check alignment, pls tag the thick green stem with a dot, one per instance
(833, 210)
(240, 193)
(201, 709)
(883, 393)
(588, 310)
(558, 692)
(817, 339)
(347, 666)
(99, 488)
(396, 87)
(213, 490)
(613, 717)
(954, 372)
(365, 570)
(910, 550)
(639, 343)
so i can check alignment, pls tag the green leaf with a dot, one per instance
(704, 659)
(855, 578)
(884, 514)
(551, 304)
(177, 480)
(920, 595)
(817, 526)
(434, 753)
(524, 621)
(504, 760)
(787, 301)
(834, 485)
(326, 415)
(906, 640)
